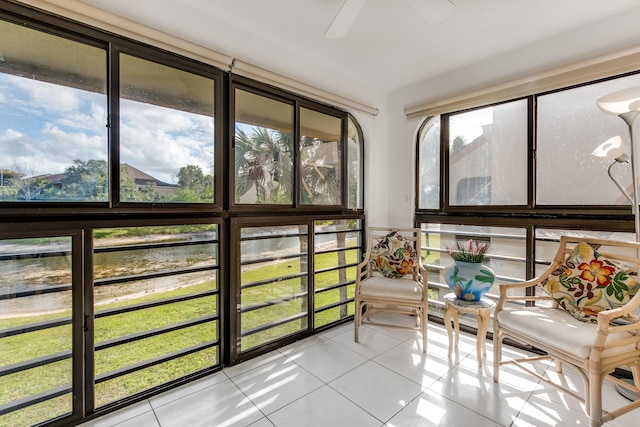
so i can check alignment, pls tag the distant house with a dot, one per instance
(140, 179)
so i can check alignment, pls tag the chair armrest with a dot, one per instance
(608, 316)
(506, 287)
(610, 323)
(363, 270)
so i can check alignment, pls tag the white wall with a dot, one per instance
(389, 166)
(390, 137)
(376, 148)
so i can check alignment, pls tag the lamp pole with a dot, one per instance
(630, 117)
(626, 105)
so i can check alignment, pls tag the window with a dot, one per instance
(286, 154)
(338, 249)
(274, 288)
(570, 127)
(320, 158)
(263, 150)
(132, 264)
(488, 156)
(53, 116)
(156, 306)
(355, 181)
(506, 255)
(36, 332)
(520, 174)
(429, 194)
(166, 133)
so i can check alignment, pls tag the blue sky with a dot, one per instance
(44, 127)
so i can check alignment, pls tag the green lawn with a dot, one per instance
(36, 344)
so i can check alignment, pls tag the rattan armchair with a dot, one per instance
(582, 316)
(392, 278)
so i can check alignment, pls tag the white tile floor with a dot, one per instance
(385, 380)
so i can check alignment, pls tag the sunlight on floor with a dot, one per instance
(384, 380)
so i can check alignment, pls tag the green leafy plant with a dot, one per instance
(469, 251)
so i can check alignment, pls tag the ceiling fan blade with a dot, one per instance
(345, 17)
(434, 11)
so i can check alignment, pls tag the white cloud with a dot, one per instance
(95, 120)
(44, 127)
(51, 97)
(9, 134)
(159, 141)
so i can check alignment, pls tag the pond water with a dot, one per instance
(35, 265)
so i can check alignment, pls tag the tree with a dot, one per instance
(15, 185)
(319, 181)
(8, 177)
(191, 177)
(86, 181)
(353, 171)
(263, 161)
(36, 188)
(458, 144)
(186, 195)
(195, 186)
(128, 189)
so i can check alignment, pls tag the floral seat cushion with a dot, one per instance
(587, 284)
(394, 256)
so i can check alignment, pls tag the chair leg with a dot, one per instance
(357, 320)
(497, 354)
(595, 399)
(423, 325)
(558, 366)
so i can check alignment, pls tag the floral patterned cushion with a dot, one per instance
(393, 256)
(587, 284)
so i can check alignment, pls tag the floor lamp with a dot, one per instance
(613, 149)
(626, 105)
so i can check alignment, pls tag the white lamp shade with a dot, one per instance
(611, 149)
(620, 102)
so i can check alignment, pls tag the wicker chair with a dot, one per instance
(582, 316)
(392, 278)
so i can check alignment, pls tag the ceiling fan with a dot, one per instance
(434, 11)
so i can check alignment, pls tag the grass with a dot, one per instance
(105, 233)
(19, 348)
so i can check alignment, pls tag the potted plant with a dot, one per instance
(468, 278)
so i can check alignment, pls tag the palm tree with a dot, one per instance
(263, 161)
(318, 173)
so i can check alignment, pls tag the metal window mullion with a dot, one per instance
(147, 246)
(35, 363)
(157, 303)
(153, 332)
(273, 324)
(331, 251)
(270, 259)
(33, 327)
(273, 280)
(336, 268)
(82, 274)
(155, 275)
(333, 305)
(153, 362)
(273, 302)
(272, 236)
(336, 286)
(34, 399)
(37, 291)
(34, 255)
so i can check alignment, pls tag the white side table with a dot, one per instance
(482, 310)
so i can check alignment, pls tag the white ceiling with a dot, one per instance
(390, 45)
